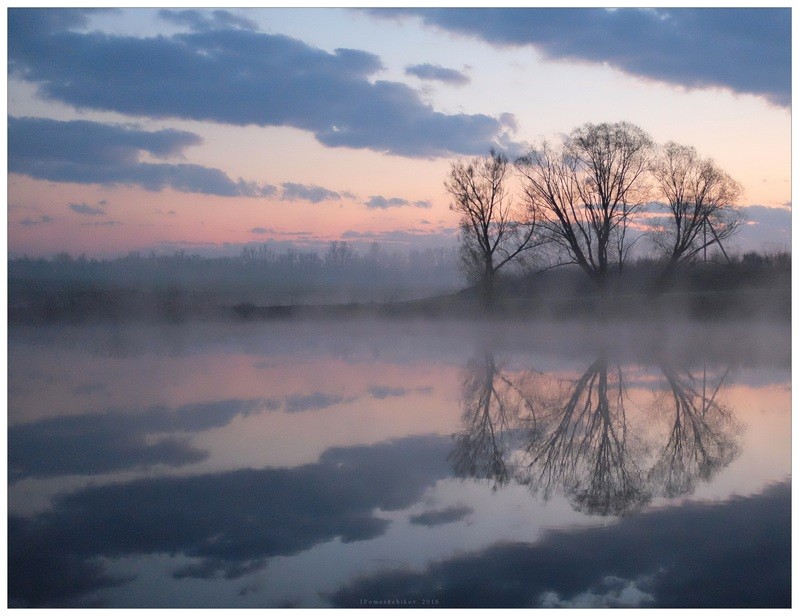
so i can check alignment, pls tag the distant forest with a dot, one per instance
(181, 283)
(178, 286)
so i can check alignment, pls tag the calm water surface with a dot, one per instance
(407, 463)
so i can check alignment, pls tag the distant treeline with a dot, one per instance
(180, 283)
(179, 286)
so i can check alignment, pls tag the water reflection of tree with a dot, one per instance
(575, 437)
(494, 406)
(586, 448)
(702, 438)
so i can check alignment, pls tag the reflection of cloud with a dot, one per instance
(222, 73)
(670, 557)
(123, 440)
(688, 47)
(60, 446)
(93, 153)
(610, 592)
(229, 522)
(443, 516)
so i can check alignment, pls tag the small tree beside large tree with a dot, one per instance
(700, 198)
(494, 230)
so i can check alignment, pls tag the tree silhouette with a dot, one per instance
(494, 231)
(699, 196)
(586, 191)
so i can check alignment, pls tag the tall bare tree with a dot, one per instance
(700, 197)
(586, 191)
(494, 231)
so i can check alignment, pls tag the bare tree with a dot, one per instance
(493, 230)
(339, 254)
(700, 197)
(586, 191)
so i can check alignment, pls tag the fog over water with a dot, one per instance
(318, 463)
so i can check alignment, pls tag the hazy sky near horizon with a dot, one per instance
(208, 130)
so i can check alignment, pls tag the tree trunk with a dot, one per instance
(487, 288)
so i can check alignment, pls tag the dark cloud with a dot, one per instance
(105, 223)
(773, 217)
(94, 143)
(230, 522)
(381, 202)
(766, 228)
(382, 392)
(434, 72)
(41, 22)
(307, 192)
(442, 237)
(312, 402)
(673, 557)
(88, 210)
(241, 77)
(30, 222)
(746, 50)
(88, 389)
(203, 21)
(118, 440)
(442, 516)
(93, 153)
(272, 231)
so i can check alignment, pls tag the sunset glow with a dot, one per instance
(207, 131)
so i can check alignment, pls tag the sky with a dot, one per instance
(210, 130)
